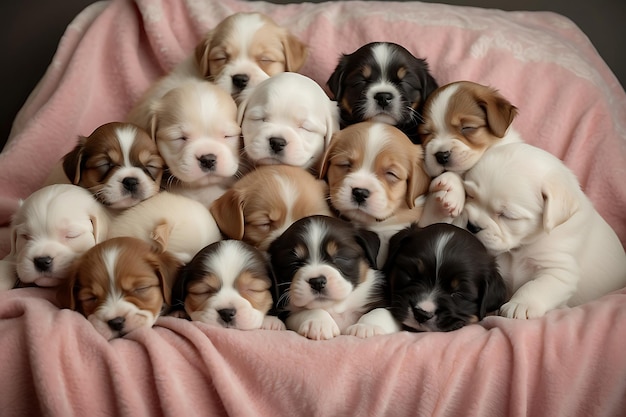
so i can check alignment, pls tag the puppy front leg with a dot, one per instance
(313, 324)
(445, 199)
(377, 321)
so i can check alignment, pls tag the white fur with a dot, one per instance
(553, 248)
(392, 114)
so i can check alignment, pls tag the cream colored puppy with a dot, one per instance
(287, 119)
(553, 248)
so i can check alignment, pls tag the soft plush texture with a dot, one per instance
(570, 362)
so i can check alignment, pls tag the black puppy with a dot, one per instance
(383, 82)
(441, 278)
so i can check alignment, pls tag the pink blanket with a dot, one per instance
(569, 363)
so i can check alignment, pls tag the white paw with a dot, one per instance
(319, 329)
(449, 193)
(515, 310)
(364, 331)
(272, 323)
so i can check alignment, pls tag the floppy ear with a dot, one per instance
(395, 243)
(167, 267)
(493, 293)
(67, 291)
(160, 236)
(326, 158)
(179, 288)
(72, 161)
(296, 52)
(100, 222)
(332, 122)
(419, 180)
(201, 54)
(370, 242)
(335, 82)
(429, 84)
(500, 112)
(228, 213)
(560, 202)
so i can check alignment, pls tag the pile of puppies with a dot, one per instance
(239, 194)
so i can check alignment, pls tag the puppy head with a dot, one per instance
(532, 193)
(119, 163)
(373, 170)
(319, 261)
(246, 48)
(287, 119)
(52, 227)
(461, 121)
(121, 285)
(383, 82)
(196, 131)
(227, 284)
(264, 202)
(441, 278)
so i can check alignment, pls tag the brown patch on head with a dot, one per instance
(401, 73)
(366, 71)
(301, 251)
(254, 286)
(332, 248)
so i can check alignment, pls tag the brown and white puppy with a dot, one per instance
(121, 285)
(382, 82)
(196, 131)
(119, 163)
(375, 175)
(228, 284)
(327, 282)
(288, 119)
(462, 120)
(264, 202)
(51, 228)
(552, 247)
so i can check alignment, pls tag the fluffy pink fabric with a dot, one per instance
(569, 363)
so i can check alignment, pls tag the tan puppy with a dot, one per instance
(262, 204)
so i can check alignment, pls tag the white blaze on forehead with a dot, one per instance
(313, 236)
(383, 55)
(244, 29)
(376, 140)
(229, 260)
(110, 257)
(439, 249)
(439, 106)
(126, 137)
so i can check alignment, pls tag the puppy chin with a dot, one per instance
(383, 118)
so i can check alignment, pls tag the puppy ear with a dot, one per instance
(332, 122)
(328, 153)
(500, 112)
(419, 180)
(179, 288)
(100, 223)
(560, 202)
(335, 82)
(370, 242)
(72, 161)
(296, 52)
(395, 243)
(67, 291)
(166, 267)
(228, 213)
(160, 236)
(493, 293)
(201, 54)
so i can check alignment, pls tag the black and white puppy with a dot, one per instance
(441, 278)
(327, 284)
(383, 82)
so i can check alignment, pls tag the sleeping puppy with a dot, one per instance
(240, 52)
(382, 82)
(375, 175)
(287, 119)
(120, 285)
(462, 120)
(553, 248)
(228, 284)
(262, 204)
(51, 228)
(196, 131)
(441, 278)
(180, 225)
(326, 281)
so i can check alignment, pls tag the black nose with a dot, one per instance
(43, 263)
(422, 316)
(360, 194)
(277, 144)
(117, 323)
(227, 314)
(473, 228)
(383, 99)
(208, 162)
(443, 157)
(240, 81)
(318, 283)
(130, 184)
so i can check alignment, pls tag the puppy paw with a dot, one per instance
(272, 323)
(449, 193)
(515, 310)
(319, 330)
(364, 331)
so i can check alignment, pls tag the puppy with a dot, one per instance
(119, 163)
(196, 131)
(240, 52)
(52, 227)
(262, 204)
(553, 248)
(121, 285)
(383, 82)
(375, 175)
(288, 119)
(228, 284)
(462, 120)
(326, 281)
(441, 278)
(181, 225)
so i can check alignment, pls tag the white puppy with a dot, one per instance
(553, 248)
(52, 227)
(287, 119)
